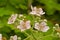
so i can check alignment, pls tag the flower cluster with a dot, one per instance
(26, 24)
(15, 37)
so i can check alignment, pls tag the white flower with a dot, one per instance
(41, 26)
(0, 36)
(37, 11)
(13, 37)
(24, 25)
(12, 18)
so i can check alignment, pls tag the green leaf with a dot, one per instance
(23, 7)
(18, 3)
(4, 11)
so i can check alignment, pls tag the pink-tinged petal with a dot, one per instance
(41, 26)
(15, 37)
(33, 12)
(37, 11)
(34, 9)
(28, 24)
(45, 29)
(24, 25)
(36, 26)
(41, 13)
(23, 30)
(12, 18)
(43, 23)
(21, 22)
(20, 27)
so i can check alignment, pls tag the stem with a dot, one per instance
(33, 34)
(29, 5)
(26, 33)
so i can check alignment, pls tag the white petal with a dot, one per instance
(45, 29)
(23, 30)
(21, 22)
(33, 12)
(34, 9)
(40, 9)
(28, 24)
(36, 26)
(21, 27)
(31, 7)
(38, 14)
(12, 18)
(41, 13)
(15, 37)
(43, 23)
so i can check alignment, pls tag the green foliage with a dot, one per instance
(3, 3)
(50, 6)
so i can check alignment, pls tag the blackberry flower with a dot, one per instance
(24, 25)
(12, 18)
